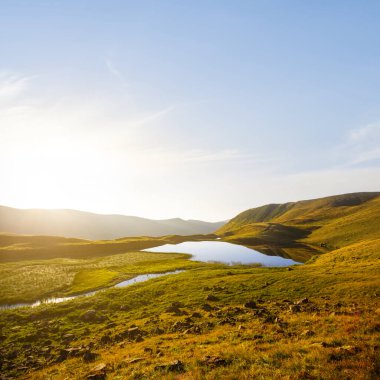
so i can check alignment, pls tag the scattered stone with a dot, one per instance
(211, 297)
(215, 361)
(178, 304)
(106, 339)
(89, 356)
(250, 305)
(207, 307)
(98, 372)
(349, 350)
(73, 351)
(294, 308)
(175, 366)
(68, 337)
(134, 360)
(308, 333)
(90, 316)
(175, 309)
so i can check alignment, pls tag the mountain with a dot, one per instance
(86, 225)
(310, 226)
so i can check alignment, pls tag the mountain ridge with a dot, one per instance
(89, 225)
(308, 226)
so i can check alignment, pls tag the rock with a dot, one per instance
(175, 310)
(134, 334)
(90, 316)
(294, 308)
(73, 351)
(211, 297)
(175, 366)
(105, 339)
(289, 269)
(250, 305)
(181, 326)
(134, 360)
(349, 350)
(68, 337)
(215, 361)
(89, 356)
(302, 301)
(307, 333)
(178, 304)
(207, 307)
(98, 372)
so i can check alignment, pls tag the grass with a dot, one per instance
(304, 228)
(334, 334)
(28, 247)
(314, 321)
(26, 281)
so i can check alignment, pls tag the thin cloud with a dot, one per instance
(114, 71)
(363, 145)
(154, 116)
(12, 86)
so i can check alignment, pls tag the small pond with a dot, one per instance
(228, 253)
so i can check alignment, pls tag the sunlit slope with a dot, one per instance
(28, 247)
(320, 224)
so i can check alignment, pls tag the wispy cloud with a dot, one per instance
(210, 156)
(12, 86)
(114, 71)
(149, 118)
(363, 145)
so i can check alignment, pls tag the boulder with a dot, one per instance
(175, 366)
(250, 305)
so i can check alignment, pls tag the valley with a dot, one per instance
(318, 320)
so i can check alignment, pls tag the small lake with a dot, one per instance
(220, 251)
(122, 284)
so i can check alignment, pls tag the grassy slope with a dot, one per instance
(318, 225)
(35, 267)
(333, 335)
(28, 247)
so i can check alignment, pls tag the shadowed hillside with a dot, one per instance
(85, 225)
(317, 225)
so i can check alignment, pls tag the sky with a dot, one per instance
(196, 109)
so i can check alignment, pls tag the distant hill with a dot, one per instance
(86, 225)
(317, 225)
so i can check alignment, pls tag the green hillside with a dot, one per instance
(311, 226)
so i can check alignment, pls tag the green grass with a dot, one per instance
(334, 335)
(26, 281)
(27, 247)
(90, 279)
(305, 228)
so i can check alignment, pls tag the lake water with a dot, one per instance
(219, 251)
(134, 280)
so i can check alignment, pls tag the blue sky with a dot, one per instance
(197, 109)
